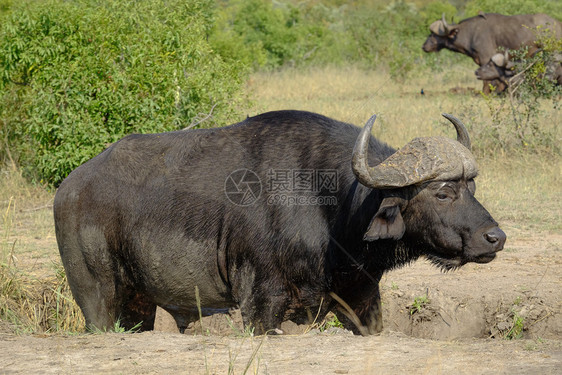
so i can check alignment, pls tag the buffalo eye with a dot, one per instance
(445, 194)
(442, 196)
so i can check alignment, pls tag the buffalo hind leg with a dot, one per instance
(91, 280)
(96, 300)
(106, 297)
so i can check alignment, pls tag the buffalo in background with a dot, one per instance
(501, 67)
(482, 36)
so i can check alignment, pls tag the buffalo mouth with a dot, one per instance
(445, 263)
(483, 258)
(452, 262)
(485, 76)
(430, 48)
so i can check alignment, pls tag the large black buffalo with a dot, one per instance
(481, 37)
(282, 214)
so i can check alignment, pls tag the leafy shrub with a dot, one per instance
(5, 6)
(272, 34)
(76, 76)
(516, 120)
(260, 29)
(269, 34)
(516, 117)
(392, 35)
(511, 7)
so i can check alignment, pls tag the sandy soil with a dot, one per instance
(168, 353)
(460, 328)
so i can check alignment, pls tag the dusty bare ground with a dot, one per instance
(168, 353)
(460, 326)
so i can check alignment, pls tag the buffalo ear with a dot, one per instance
(387, 223)
(453, 30)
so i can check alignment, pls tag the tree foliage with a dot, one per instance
(510, 7)
(516, 116)
(76, 76)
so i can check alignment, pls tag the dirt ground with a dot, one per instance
(460, 325)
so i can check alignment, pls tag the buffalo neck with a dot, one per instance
(347, 247)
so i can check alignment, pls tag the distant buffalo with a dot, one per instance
(502, 68)
(481, 37)
(499, 69)
(283, 215)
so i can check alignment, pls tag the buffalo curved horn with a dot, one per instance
(462, 134)
(445, 26)
(499, 60)
(420, 160)
(359, 162)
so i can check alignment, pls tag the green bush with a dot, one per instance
(5, 7)
(518, 112)
(511, 7)
(273, 34)
(269, 34)
(76, 76)
(393, 34)
(517, 120)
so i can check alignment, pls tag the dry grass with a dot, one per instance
(521, 190)
(34, 294)
(524, 192)
(27, 223)
(353, 95)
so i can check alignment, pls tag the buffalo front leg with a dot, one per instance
(264, 313)
(370, 313)
(262, 301)
(363, 312)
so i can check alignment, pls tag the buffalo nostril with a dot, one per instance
(496, 237)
